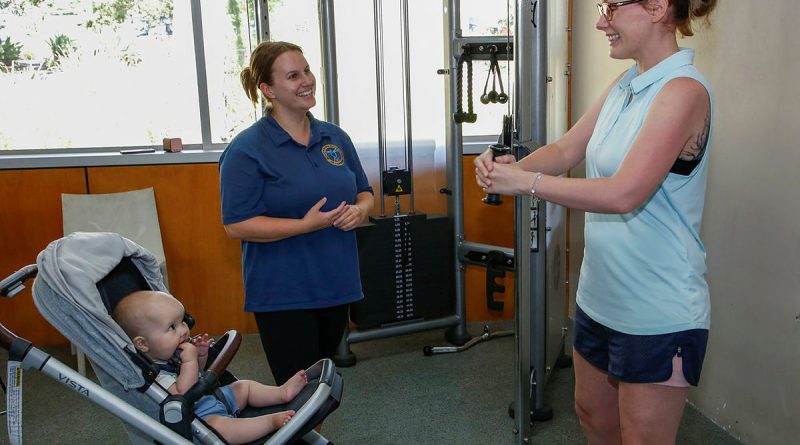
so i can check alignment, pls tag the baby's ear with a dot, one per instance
(140, 343)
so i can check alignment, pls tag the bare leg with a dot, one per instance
(596, 403)
(244, 430)
(251, 393)
(650, 413)
(293, 386)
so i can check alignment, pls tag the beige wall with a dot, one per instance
(751, 379)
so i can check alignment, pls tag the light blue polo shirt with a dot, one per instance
(263, 171)
(644, 272)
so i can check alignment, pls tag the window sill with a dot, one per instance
(64, 160)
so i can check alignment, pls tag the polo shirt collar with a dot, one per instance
(638, 82)
(279, 136)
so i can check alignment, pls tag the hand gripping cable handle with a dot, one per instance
(497, 150)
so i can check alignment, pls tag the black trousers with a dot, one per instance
(294, 340)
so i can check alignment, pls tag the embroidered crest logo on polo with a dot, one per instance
(333, 154)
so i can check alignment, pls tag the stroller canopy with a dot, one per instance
(66, 294)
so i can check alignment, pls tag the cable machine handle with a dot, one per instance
(497, 150)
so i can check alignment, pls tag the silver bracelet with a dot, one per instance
(536, 178)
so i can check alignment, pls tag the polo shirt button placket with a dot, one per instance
(629, 97)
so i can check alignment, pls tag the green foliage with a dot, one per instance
(112, 13)
(130, 57)
(17, 7)
(235, 14)
(234, 11)
(9, 51)
(61, 46)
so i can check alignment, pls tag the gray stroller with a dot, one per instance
(81, 277)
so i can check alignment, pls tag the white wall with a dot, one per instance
(751, 378)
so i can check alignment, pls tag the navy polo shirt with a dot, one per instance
(263, 171)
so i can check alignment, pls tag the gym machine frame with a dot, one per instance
(456, 324)
(539, 329)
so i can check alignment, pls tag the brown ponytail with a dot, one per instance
(687, 11)
(249, 85)
(260, 69)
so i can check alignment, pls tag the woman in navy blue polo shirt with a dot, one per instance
(293, 190)
(642, 316)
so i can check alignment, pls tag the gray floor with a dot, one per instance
(394, 395)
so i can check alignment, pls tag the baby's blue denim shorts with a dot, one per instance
(212, 406)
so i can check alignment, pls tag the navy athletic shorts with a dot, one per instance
(639, 358)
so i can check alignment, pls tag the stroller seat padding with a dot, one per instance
(124, 279)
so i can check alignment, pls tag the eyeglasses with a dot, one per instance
(606, 9)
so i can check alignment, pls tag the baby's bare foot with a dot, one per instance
(293, 386)
(280, 419)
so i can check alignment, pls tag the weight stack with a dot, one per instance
(406, 270)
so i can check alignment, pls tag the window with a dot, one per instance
(297, 21)
(228, 39)
(481, 18)
(96, 74)
(358, 103)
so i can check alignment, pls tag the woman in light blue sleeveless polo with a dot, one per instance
(642, 315)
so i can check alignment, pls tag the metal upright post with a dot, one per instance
(380, 95)
(262, 20)
(531, 105)
(202, 75)
(531, 126)
(522, 320)
(455, 204)
(409, 152)
(328, 45)
(261, 14)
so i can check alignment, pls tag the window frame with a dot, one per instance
(204, 152)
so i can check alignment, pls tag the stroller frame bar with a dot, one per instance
(34, 358)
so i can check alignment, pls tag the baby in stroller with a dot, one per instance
(155, 323)
(80, 280)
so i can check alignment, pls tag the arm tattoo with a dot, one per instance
(694, 149)
(693, 152)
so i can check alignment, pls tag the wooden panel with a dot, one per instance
(493, 225)
(204, 265)
(30, 218)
